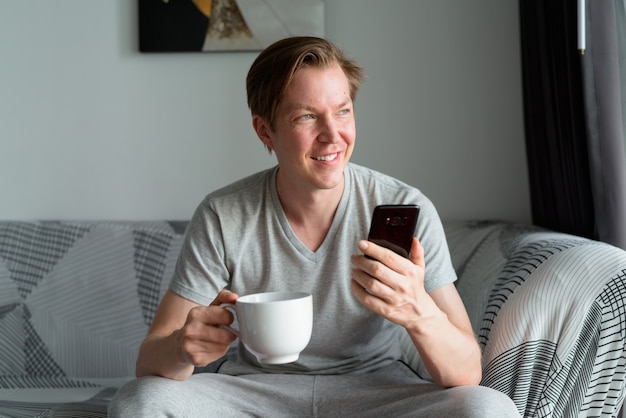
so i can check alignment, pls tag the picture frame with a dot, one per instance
(225, 25)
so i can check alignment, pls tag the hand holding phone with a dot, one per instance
(393, 227)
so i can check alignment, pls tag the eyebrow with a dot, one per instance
(300, 106)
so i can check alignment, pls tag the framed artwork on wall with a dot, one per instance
(225, 25)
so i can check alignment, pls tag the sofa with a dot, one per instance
(76, 299)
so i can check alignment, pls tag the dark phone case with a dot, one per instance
(393, 227)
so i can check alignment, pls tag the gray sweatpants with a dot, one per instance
(394, 391)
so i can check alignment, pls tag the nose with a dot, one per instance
(329, 131)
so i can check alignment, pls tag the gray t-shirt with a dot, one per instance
(239, 238)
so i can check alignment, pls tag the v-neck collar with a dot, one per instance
(332, 231)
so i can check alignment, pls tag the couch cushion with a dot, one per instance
(76, 298)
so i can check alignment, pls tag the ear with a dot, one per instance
(262, 130)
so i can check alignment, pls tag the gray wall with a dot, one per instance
(92, 129)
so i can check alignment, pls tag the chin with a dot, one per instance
(329, 183)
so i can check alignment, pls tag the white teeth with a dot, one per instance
(326, 157)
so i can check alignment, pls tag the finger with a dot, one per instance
(211, 343)
(225, 296)
(369, 248)
(204, 329)
(213, 336)
(380, 253)
(364, 295)
(209, 315)
(417, 253)
(222, 316)
(386, 266)
(376, 279)
(379, 284)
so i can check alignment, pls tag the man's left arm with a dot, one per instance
(437, 322)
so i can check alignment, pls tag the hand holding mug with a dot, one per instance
(202, 338)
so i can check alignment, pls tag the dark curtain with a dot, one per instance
(605, 122)
(573, 118)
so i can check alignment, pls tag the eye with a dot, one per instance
(305, 117)
(344, 112)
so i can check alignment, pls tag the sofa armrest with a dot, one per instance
(549, 313)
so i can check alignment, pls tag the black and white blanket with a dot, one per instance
(549, 311)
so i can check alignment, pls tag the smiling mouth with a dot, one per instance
(326, 157)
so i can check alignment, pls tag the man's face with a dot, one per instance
(314, 129)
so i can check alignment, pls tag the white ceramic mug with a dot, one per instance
(274, 326)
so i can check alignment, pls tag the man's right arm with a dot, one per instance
(183, 335)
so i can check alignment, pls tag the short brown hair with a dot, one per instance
(274, 68)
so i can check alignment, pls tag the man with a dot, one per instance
(296, 227)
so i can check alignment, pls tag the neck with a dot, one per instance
(310, 213)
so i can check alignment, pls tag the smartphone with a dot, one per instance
(393, 227)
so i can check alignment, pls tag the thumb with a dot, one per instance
(417, 253)
(225, 296)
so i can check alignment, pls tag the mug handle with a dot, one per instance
(230, 307)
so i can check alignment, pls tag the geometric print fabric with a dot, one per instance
(553, 319)
(150, 262)
(30, 250)
(521, 263)
(552, 339)
(38, 361)
(42, 263)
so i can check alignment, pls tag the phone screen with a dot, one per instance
(393, 227)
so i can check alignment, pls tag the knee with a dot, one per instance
(142, 397)
(481, 401)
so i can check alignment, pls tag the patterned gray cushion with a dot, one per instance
(76, 298)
